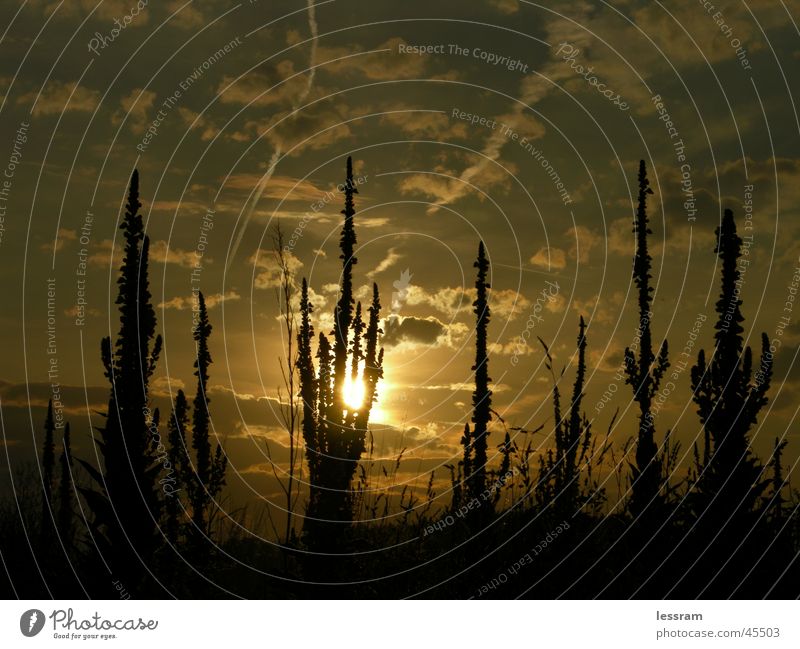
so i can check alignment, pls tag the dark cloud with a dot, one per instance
(786, 365)
(74, 397)
(425, 331)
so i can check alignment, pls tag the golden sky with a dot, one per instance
(512, 122)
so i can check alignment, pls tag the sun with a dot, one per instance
(354, 392)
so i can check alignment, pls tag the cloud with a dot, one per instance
(533, 88)
(321, 124)
(507, 303)
(172, 206)
(136, 106)
(426, 124)
(397, 329)
(465, 386)
(218, 388)
(515, 347)
(105, 11)
(379, 66)
(415, 331)
(185, 303)
(314, 128)
(196, 121)
(605, 311)
(608, 359)
(666, 24)
(786, 367)
(392, 257)
(448, 301)
(258, 432)
(74, 397)
(75, 312)
(293, 37)
(439, 188)
(166, 386)
(584, 241)
(764, 171)
(64, 236)
(714, 46)
(279, 187)
(101, 256)
(446, 186)
(524, 125)
(621, 239)
(160, 252)
(505, 6)
(270, 273)
(190, 17)
(163, 254)
(269, 86)
(55, 95)
(552, 259)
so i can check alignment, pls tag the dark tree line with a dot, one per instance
(147, 499)
(141, 490)
(687, 537)
(728, 492)
(125, 497)
(57, 505)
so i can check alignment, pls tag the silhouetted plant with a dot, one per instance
(343, 314)
(503, 477)
(365, 499)
(460, 488)
(739, 511)
(126, 502)
(646, 372)
(776, 503)
(373, 370)
(209, 470)
(308, 387)
(48, 469)
(669, 460)
(524, 469)
(66, 493)
(780, 516)
(559, 470)
(729, 398)
(475, 442)
(729, 484)
(334, 433)
(290, 408)
(456, 485)
(180, 464)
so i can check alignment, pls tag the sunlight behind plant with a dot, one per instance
(354, 390)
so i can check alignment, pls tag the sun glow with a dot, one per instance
(354, 391)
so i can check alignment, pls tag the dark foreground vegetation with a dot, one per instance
(142, 518)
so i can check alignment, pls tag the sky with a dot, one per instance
(511, 122)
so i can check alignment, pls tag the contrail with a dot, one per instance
(260, 190)
(312, 25)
